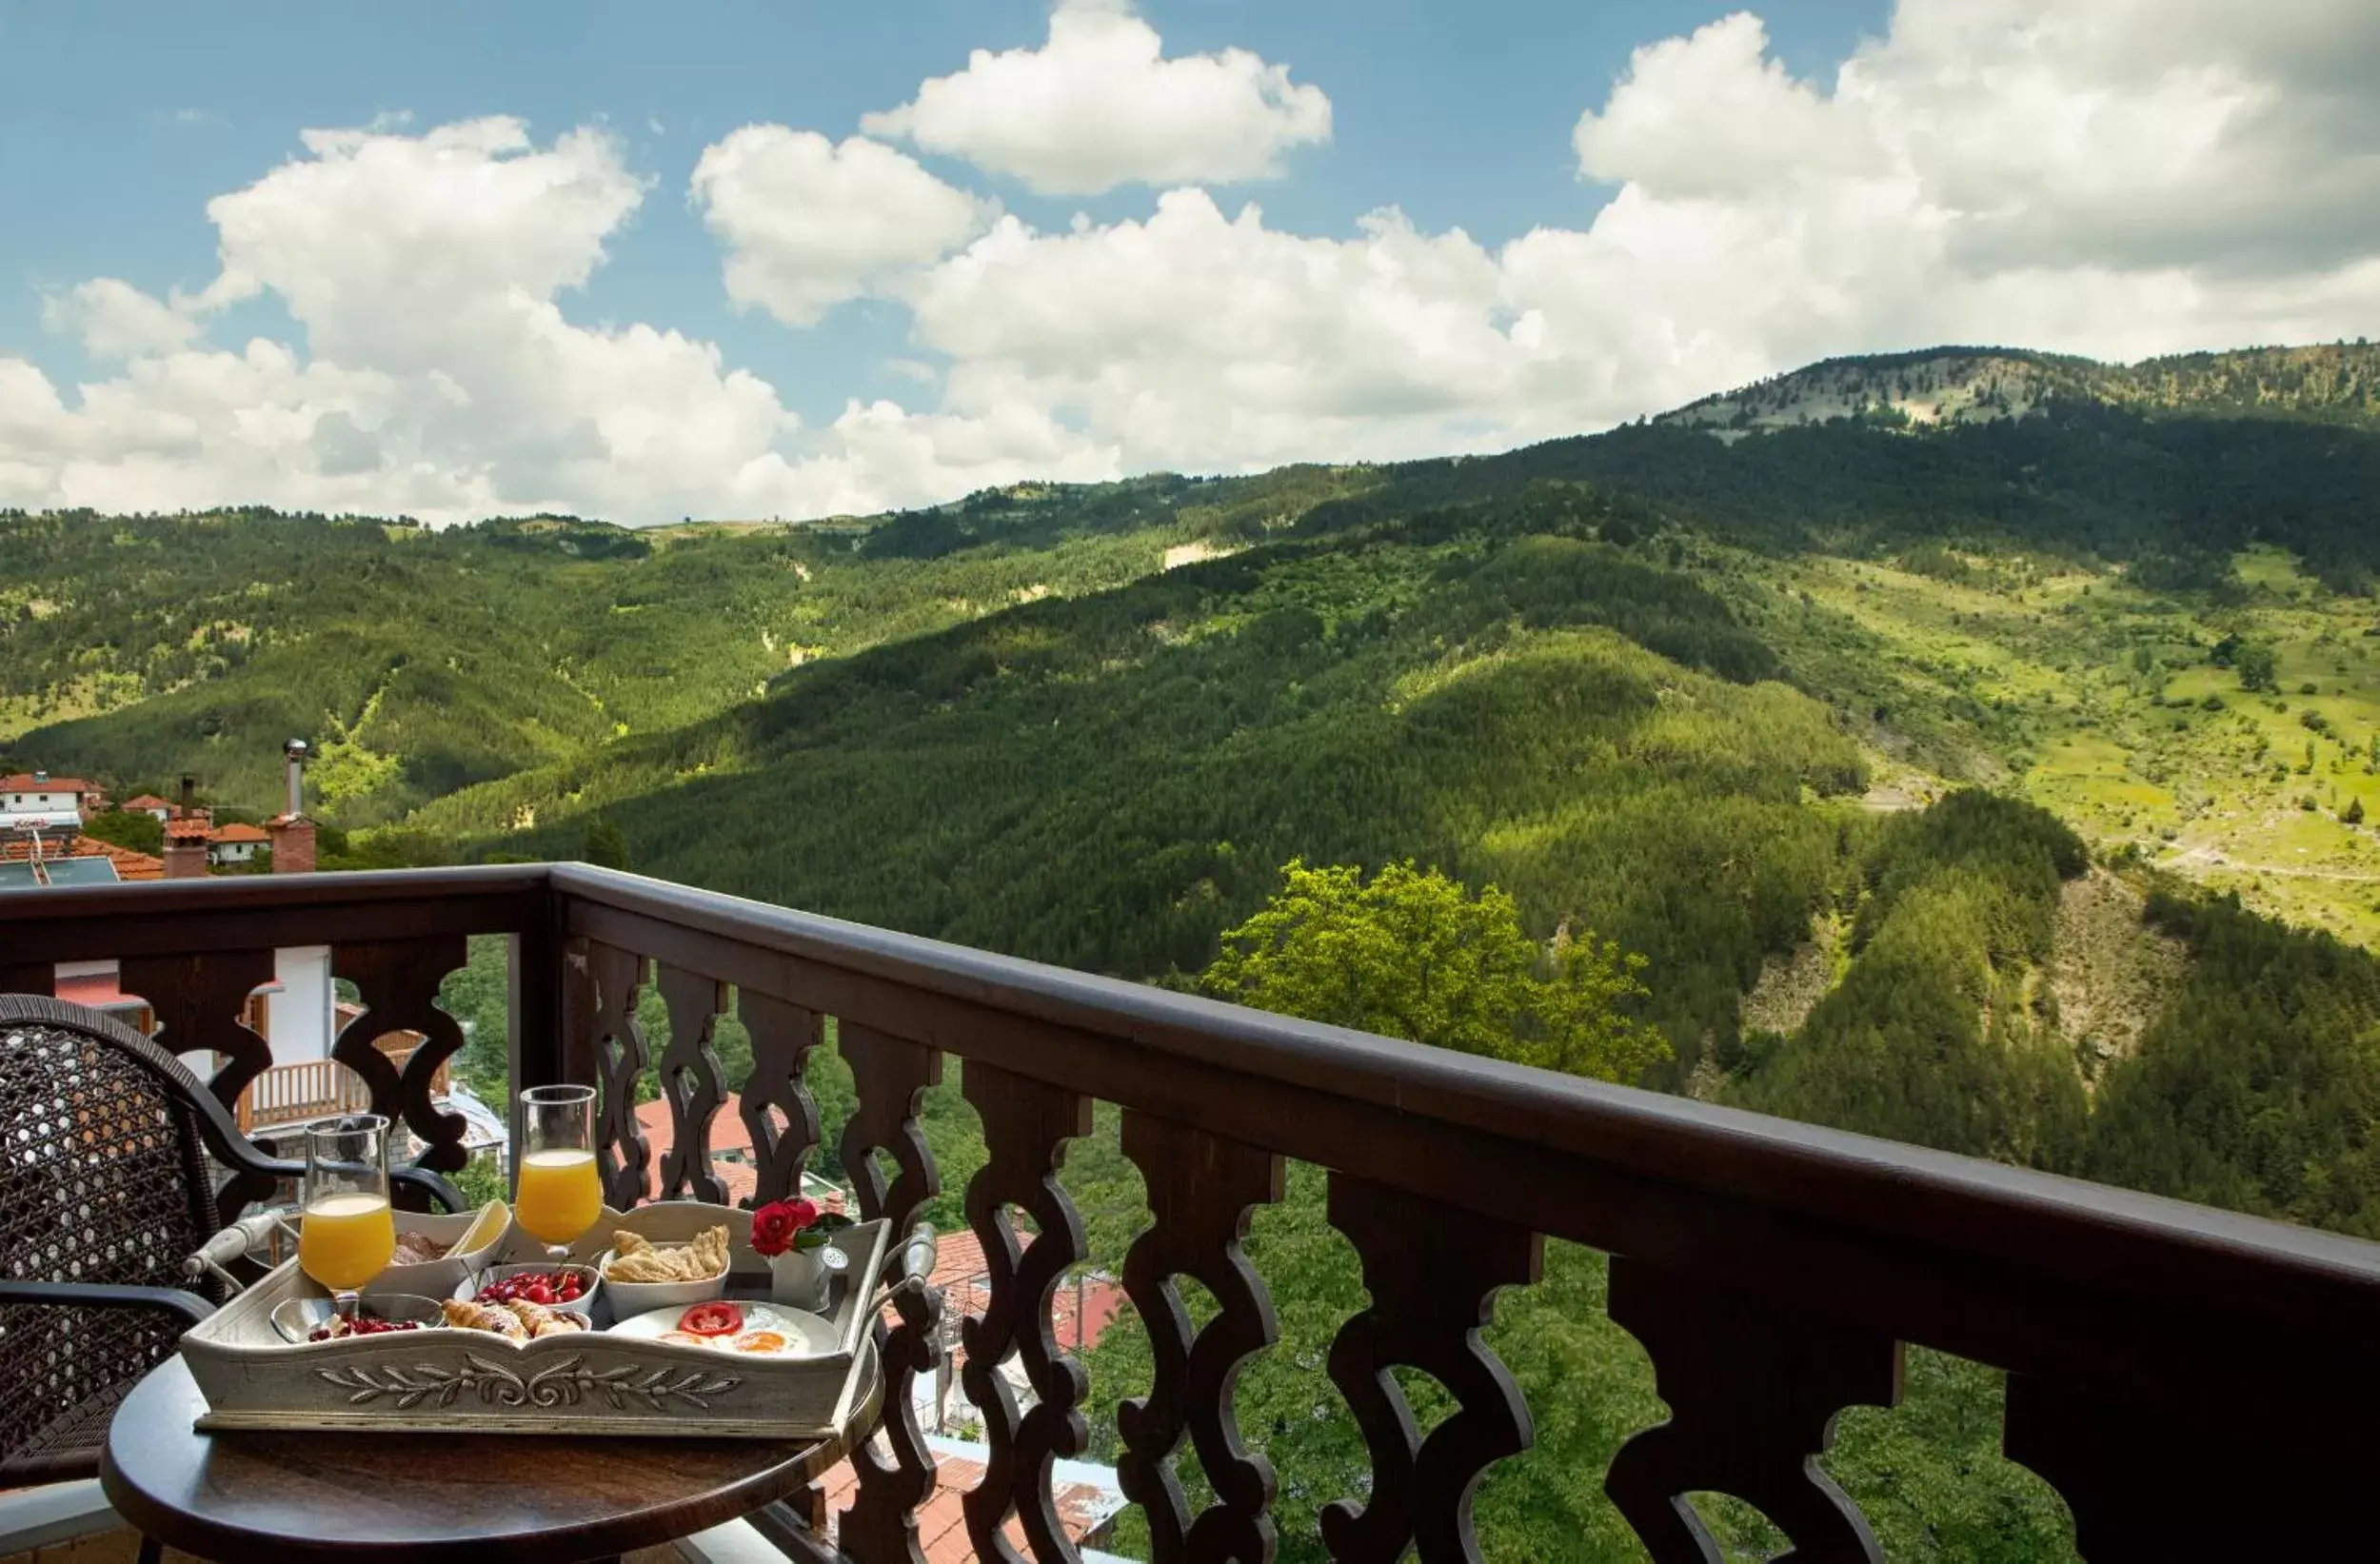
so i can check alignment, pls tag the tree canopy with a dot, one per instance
(1411, 953)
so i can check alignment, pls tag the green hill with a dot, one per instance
(139, 647)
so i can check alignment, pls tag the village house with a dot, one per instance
(237, 842)
(151, 804)
(35, 801)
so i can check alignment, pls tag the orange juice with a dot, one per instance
(346, 1240)
(559, 1196)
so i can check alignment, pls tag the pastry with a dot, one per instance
(539, 1320)
(636, 1259)
(471, 1314)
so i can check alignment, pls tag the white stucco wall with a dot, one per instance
(300, 1016)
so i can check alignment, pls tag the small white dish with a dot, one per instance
(638, 1298)
(296, 1318)
(806, 1335)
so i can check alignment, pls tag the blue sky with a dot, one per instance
(509, 286)
(118, 122)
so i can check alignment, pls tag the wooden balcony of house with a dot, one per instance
(284, 1095)
(2194, 1384)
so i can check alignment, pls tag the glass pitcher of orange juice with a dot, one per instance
(558, 1194)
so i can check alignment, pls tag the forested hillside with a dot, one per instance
(1993, 781)
(419, 663)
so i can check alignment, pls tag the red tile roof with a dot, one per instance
(942, 1518)
(146, 801)
(22, 783)
(99, 991)
(238, 831)
(728, 1134)
(129, 865)
(960, 1272)
(193, 829)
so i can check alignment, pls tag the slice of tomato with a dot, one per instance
(718, 1318)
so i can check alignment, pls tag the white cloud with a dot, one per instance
(1201, 340)
(1099, 106)
(116, 320)
(2120, 179)
(2128, 177)
(440, 376)
(808, 224)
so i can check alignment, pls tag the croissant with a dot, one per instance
(539, 1320)
(471, 1314)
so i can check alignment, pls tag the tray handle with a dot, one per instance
(911, 1265)
(233, 1244)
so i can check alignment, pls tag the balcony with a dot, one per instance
(284, 1095)
(2195, 1384)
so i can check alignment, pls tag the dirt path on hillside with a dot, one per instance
(2215, 857)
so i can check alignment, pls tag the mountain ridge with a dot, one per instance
(1953, 385)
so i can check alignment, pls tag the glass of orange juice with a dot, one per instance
(347, 1234)
(557, 1194)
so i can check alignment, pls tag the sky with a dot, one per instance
(797, 260)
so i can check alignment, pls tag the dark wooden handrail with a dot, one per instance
(1898, 1191)
(2025, 1270)
(191, 917)
(2183, 1337)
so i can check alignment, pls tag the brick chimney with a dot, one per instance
(292, 833)
(186, 837)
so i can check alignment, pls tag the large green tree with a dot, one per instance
(1411, 953)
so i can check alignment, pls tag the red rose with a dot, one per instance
(773, 1227)
(775, 1224)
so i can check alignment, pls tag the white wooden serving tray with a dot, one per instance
(587, 1383)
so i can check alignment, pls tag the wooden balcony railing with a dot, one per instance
(315, 1088)
(289, 1094)
(2196, 1384)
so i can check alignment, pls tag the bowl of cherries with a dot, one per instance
(570, 1287)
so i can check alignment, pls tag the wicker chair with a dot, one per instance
(104, 1191)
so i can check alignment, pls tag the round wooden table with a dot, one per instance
(537, 1499)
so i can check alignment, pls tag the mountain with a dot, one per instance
(1977, 745)
(2338, 383)
(1670, 689)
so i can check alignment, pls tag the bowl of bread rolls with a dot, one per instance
(641, 1276)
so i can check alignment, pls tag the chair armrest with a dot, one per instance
(100, 1295)
(447, 1196)
(430, 1183)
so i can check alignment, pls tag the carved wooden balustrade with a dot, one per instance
(2196, 1384)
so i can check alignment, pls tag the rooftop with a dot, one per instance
(41, 782)
(79, 862)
